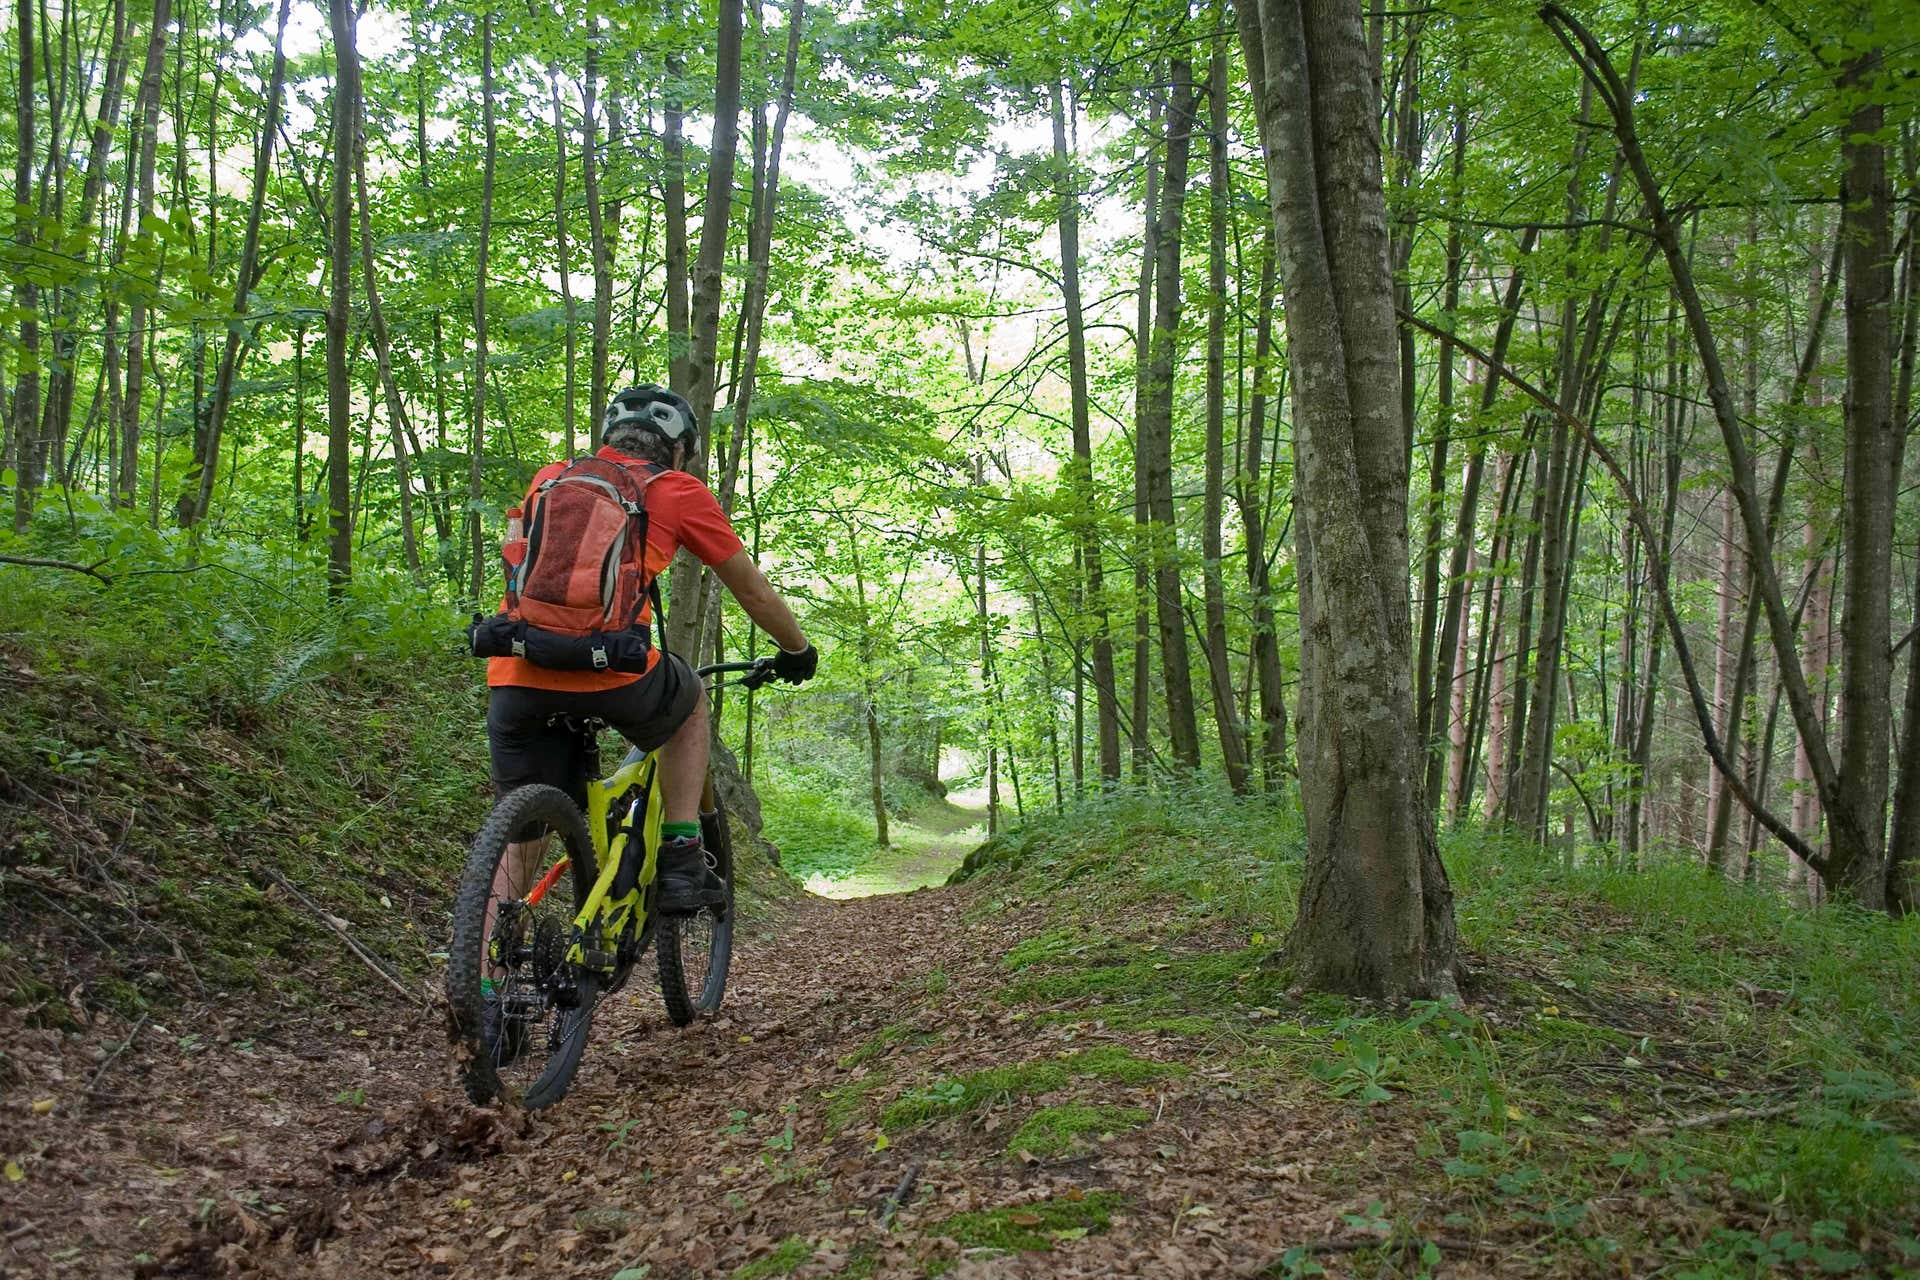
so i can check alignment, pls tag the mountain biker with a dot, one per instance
(653, 432)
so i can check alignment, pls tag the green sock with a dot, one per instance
(487, 986)
(679, 831)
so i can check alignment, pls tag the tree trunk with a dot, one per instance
(476, 491)
(197, 498)
(1219, 669)
(1858, 811)
(1156, 433)
(1141, 740)
(1453, 617)
(1376, 911)
(1253, 518)
(61, 382)
(346, 88)
(563, 256)
(600, 249)
(674, 195)
(377, 322)
(1086, 503)
(686, 624)
(25, 443)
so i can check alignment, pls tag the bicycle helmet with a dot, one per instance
(656, 410)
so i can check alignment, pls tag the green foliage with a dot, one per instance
(1658, 1033)
(208, 717)
(820, 826)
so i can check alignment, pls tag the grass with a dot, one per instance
(1737, 1069)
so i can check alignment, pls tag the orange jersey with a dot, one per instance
(681, 512)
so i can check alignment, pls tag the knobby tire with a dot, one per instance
(679, 937)
(550, 808)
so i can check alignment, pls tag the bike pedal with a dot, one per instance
(602, 960)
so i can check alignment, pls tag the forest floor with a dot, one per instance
(1081, 1062)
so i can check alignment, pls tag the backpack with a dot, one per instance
(574, 598)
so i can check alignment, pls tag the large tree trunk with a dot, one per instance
(1376, 911)
(1156, 433)
(1086, 505)
(1858, 811)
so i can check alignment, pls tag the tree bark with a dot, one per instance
(147, 113)
(563, 256)
(600, 248)
(1086, 504)
(1253, 518)
(25, 443)
(346, 88)
(1156, 433)
(674, 195)
(476, 491)
(1219, 668)
(1376, 911)
(382, 342)
(197, 498)
(686, 624)
(1141, 741)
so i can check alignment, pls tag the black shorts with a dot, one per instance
(529, 740)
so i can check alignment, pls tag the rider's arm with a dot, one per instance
(762, 603)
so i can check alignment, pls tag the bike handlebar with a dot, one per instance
(757, 672)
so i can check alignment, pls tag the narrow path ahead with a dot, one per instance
(927, 847)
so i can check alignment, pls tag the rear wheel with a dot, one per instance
(695, 950)
(521, 1012)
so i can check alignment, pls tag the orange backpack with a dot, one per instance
(575, 597)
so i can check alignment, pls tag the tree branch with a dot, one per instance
(36, 562)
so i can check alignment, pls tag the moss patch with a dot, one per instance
(1052, 1131)
(787, 1257)
(969, 1092)
(1032, 1226)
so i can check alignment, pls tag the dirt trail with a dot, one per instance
(928, 845)
(334, 1146)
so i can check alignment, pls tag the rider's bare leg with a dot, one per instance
(513, 877)
(683, 766)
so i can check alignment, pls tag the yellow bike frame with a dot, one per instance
(628, 912)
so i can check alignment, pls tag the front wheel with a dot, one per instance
(696, 949)
(521, 1012)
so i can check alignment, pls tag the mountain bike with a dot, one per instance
(576, 919)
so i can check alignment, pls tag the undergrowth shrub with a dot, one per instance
(205, 717)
